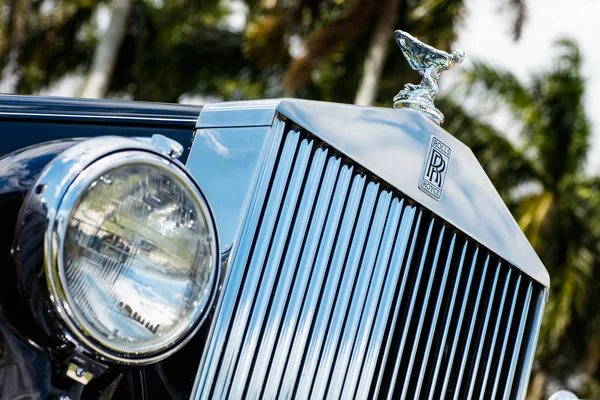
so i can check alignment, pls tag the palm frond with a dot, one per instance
(323, 43)
(533, 213)
(507, 165)
(518, 9)
(501, 85)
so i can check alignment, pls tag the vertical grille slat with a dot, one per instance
(320, 326)
(275, 252)
(320, 219)
(517, 346)
(341, 287)
(259, 253)
(480, 348)
(471, 329)
(411, 308)
(358, 296)
(421, 319)
(459, 326)
(506, 336)
(252, 219)
(372, 319)
(447, 322)
(432, 331)
(533, 336)
(312, 292)
(488, 364)
(398, 258)
(291, 257)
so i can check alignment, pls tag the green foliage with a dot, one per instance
(174, 49)
(171, 47)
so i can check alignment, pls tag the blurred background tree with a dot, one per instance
(43, 41)
(287, 47)
(555, 203)
(337, 50)
(315, 46)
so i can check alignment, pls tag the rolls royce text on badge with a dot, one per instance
(435, 168)
(259, 249)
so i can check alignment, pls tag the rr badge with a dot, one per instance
(435, 168)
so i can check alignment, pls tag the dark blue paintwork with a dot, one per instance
(29, 361)
(28, 120)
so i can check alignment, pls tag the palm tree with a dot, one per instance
(348, 41)
(555, 203)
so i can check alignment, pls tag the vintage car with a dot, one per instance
(258, 249)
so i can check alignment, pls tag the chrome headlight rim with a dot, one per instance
(58, 190)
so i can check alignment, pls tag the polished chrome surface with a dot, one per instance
(224, 161)
(240, 251)
(435, 168)
(57, 191)
(169, 147)
(115, 111)
(341, 287)
(522, 381)
(430, 63)
(247, 113)
(391, 144)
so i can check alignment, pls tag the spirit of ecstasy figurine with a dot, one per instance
(430, 63)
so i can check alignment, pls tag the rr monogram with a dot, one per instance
(435, 168)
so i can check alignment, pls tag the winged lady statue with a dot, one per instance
(430, 63)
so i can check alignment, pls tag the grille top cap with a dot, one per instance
(395, 145)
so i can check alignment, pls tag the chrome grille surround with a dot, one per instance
(342, 287)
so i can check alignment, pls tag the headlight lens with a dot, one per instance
(138, 255)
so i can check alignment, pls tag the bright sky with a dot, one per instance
(486, 36)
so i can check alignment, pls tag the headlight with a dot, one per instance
(131, 254)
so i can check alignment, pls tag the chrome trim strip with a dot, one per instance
(371, 326)
(490, 358)
(432, 331)
(448, 319)
(98, 117)
(397, 259)
(517, 346)
(528, 362)
(288, 272)
(471, 327)
(411, 307)
(484, 332)
(233, 280)
(421, 319)
(506, 336)
(247, 113)
(318, 335)
(300, 314)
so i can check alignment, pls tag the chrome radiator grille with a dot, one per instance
(340, 287)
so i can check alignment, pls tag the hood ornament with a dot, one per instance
(430, 63)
